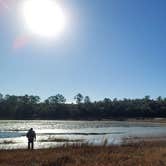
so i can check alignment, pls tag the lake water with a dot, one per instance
(12, 133)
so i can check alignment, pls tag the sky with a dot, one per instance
(110, 48)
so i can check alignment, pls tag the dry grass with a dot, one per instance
(142, 154)
(7, 142)
(53, 139)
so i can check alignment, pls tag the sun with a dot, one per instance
(43, 17)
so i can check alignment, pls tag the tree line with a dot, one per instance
(55, 107)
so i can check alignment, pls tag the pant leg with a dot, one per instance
(32, 143)
(29, 144)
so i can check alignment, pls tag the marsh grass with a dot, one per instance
(7, 142)
(53, 139)
(137, 154)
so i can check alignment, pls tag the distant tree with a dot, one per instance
(115, 100)
(46, 101)
(106, 100)
(79, 97)
(1, 97)
(25, 99)
(87, 100)
(159, 99)
(11, 99)
(30, 107)
(34, 99)
(6, 97)
(52, 100)
(60, 99)
(57, 99)
(146, 98)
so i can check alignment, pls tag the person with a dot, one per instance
(31, 135)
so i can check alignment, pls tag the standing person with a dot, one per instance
(31, 135)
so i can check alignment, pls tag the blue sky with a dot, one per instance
(110, 48)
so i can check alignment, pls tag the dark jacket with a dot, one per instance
(31, 135)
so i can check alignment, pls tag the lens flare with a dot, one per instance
(43, 17)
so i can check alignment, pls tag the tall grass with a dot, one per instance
(137, 154)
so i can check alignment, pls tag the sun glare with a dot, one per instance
(43, 17)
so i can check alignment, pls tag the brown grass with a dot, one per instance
(52, 139)
(7, 142)
(140, 154)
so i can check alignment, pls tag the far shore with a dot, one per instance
(154, 120)
(140, 119)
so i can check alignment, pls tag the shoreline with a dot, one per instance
(133, 140)
(143, 153)
(140, 119)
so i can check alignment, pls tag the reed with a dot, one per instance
(133, 154)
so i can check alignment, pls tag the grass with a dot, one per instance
(7, 142)
(138, 154)
(52, 139)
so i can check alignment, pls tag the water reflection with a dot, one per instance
(12, 133)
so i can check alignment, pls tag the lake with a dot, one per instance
(57, 133)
